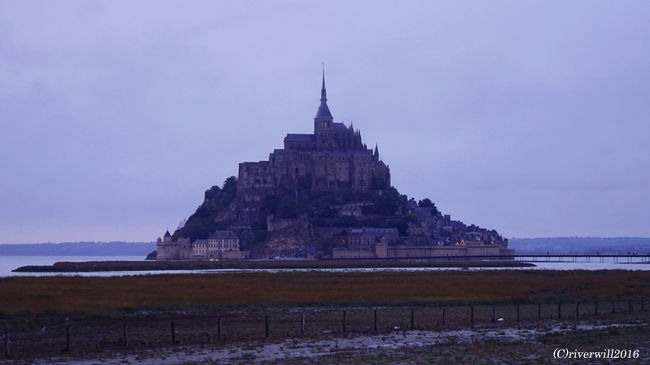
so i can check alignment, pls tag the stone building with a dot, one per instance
(180, 249)
(220, 245)
(369, 236)
(223, 245)
(462, 248)
(200, 248)
(332, 158)
(351, 210)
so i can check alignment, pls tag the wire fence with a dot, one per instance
(105, 334)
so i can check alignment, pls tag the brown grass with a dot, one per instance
(96, 294)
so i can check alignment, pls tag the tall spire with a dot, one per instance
(323, 110)
(323, 92)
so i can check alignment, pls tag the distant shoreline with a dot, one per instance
(115, 248)
(103, 266)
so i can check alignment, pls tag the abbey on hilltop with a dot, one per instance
(333, 158)
(325, 194)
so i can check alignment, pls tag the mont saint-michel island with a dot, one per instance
(180, 186)
(323, 195)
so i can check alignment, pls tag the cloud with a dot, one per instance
(527, 117)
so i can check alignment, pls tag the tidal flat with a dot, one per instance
(79, 318)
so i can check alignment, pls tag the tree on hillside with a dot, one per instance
(427, 203)
(202, 222)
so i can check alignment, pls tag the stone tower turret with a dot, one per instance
(323, 121)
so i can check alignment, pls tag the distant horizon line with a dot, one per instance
(78, 242)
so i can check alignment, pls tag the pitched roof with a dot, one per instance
(300, 137)
(323, 110)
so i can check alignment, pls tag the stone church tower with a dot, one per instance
(323, 121)
(333, 158)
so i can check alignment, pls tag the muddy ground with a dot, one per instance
(505, 345)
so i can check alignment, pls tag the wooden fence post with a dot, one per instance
(412, 318)
(266, 325)
(344, 315)
(642, 304)
(559, 310)
(219, 329)
(577, 311)
(173, 333)
(613, 307)
(6, 344)
(67, 339)
(517, 312)
(443, 317)
(126, 335)
(302, 324)
(595, 307)
(471, 315)
(494, 314)
(376, 321)
(539, 311)
(629, 308)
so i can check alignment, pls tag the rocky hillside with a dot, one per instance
(312, 222)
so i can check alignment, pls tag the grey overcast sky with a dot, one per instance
(530, 117)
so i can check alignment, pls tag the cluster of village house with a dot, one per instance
(370, 242)
(366, 242)
(220, 245)
(432, 235)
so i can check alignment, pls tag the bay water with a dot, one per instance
(9, 263)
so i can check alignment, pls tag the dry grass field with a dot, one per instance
(33, 295)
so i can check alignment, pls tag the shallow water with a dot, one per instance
(8, 263)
